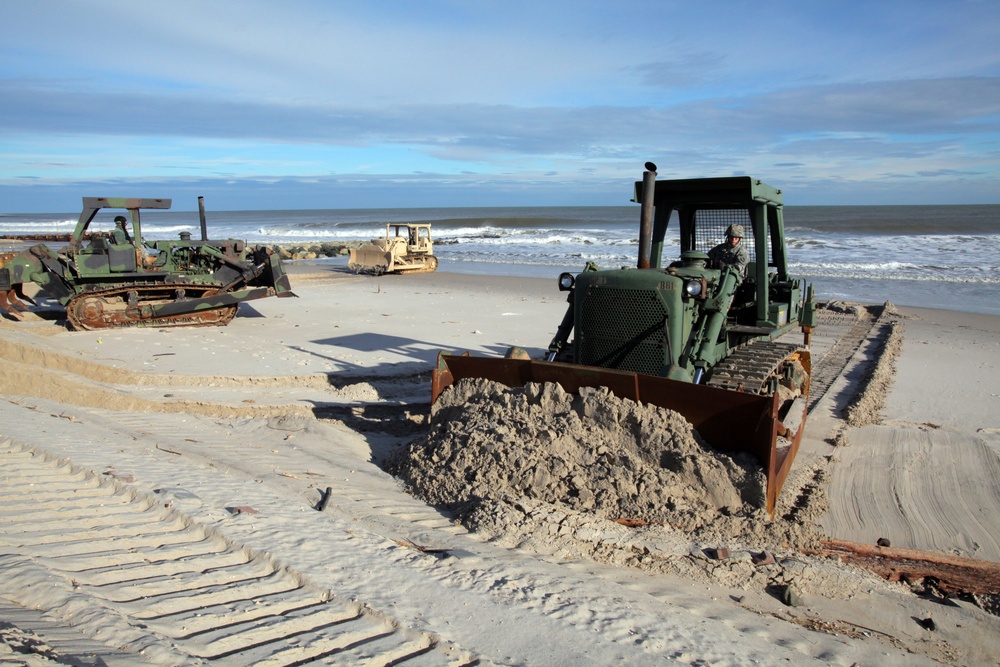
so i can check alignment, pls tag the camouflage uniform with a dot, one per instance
(120, 233)
(726, 255)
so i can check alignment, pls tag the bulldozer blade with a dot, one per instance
(279, 278)
(210, 302)
(730, 421)
(369, 258)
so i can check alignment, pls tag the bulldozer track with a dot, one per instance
(174, 585)
(86, 311)
(749, 368)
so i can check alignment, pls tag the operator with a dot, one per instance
(120, 234)
(732, 252)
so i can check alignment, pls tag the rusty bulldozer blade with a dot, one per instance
(9, 292)
(730, 421)
(10, 305)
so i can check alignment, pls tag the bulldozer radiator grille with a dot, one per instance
(623, 329)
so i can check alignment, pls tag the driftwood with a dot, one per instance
(951, 575)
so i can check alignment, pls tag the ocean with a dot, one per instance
(929, 256)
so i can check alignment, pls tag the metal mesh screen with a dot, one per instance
(623, 329)
(710, 228)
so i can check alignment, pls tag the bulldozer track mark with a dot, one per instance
(830, 367)
(176, 583)
(811, 488)
(866, 404)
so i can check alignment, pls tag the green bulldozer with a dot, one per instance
(705, 338)
(116, 279)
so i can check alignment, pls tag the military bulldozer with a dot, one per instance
(406, 248)
(116, 279)
(704, 339)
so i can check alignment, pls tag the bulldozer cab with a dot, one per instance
(703, 209)
(417, 235)
(93, 205)
(117, 247)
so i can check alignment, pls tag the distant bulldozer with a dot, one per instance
(406, 248)
(117, 279)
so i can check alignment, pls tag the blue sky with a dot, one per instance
(324, 104)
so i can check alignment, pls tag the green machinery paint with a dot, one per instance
(118, 279)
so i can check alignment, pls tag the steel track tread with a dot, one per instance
(749, 368)
(181, 586)
(187, 319)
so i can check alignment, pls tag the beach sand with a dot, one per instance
(160, 494)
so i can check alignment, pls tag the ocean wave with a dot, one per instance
(900, 271)
(849, 243)
(152, 228)
(309, 234)
(555, 240)
(37, 226)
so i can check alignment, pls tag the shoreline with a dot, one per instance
(297, 396)
(945, 292)
(950, 296)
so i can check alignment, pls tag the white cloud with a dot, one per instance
(307, 88)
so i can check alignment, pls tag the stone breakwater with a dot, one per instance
(284, 250)
(314, 250)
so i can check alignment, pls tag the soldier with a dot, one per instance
(120, 234)
(731, 252)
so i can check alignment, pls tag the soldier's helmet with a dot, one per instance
(736, 231)
(120, 220)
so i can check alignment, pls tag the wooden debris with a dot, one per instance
(952, 575)
(632, 523)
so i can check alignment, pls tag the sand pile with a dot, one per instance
(594, 453)
(538, 468)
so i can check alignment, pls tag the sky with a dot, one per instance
(306, 104)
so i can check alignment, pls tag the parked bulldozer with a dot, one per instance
(705, 339)
(116, 279)
(406, 248)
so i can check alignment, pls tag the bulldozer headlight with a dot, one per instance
(693, 288)
(566, 282)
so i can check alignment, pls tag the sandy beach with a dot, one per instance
(223, 496)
